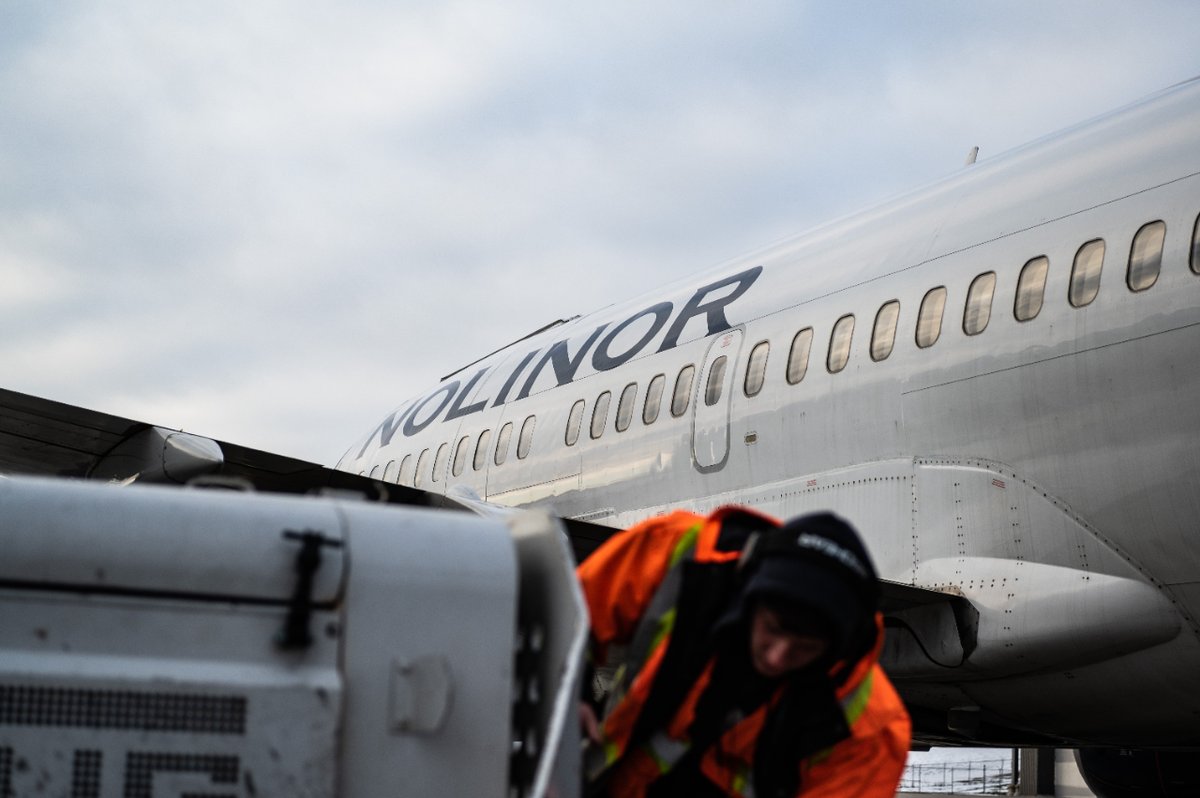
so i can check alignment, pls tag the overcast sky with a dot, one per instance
(272, 222)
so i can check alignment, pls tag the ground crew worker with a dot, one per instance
(750, 662)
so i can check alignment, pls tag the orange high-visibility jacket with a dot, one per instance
(620, 581)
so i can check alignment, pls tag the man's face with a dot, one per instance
(775, 651)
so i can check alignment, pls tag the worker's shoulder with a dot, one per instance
(884, 712)
(672, 524)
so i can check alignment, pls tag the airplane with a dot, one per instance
(992, 378)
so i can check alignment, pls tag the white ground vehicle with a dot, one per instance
(165, 642)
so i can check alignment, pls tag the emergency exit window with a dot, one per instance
(716, 381)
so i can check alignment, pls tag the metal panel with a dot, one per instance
(428, 586)
(104, 696)
(213, 544)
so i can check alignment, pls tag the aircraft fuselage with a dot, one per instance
(993, 378)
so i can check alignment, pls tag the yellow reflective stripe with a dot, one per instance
(853, 706)
(666, 622)
(856, 703)
(612, 752)
(819, 756)
(660, 763)
(742, 786)
(618, 677)
(685, 545)
(599, 758)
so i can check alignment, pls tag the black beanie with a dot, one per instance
(817, 563)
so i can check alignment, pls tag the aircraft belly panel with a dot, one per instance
(1146, 698)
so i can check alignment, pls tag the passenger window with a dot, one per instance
(839, 344)
(1031, 286)
(683, 390)
(884, 335)
(600, 414)
(526, 439)
(390, 471)
(716, 381)
(402, 478)
(797, 363)
(1145, 256)
(1196, 247)
(574, 422)
(422, 462)
(439, 462)
(978, 311)
(1085, 274)
(756, 368)
(625, 406)
(460, 454)
(481, 449)
(929, 318)
(653, 399)
(502, 442)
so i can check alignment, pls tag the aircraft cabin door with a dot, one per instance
(710, 414)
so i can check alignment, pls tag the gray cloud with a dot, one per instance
(271, 224)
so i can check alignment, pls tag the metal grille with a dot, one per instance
(85, 775)
(118, 709)
(140, 769)
(6, 768)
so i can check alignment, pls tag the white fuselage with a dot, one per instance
(1038, 466)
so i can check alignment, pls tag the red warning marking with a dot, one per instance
(999, 483)
(812, 483)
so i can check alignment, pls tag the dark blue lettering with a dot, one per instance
(602, 360)
(386, 430)
(447, 391)
(457, 410)
(557, 355)
(502, 397)
(565, 366)
(715, 309)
